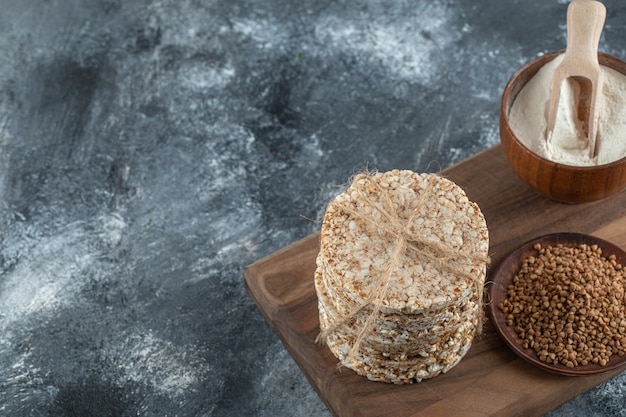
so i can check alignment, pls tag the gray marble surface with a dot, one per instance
(151, 149)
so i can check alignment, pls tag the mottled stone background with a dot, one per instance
(151, 150)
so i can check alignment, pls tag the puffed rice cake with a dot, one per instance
(431, 309)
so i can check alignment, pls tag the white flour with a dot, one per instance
(529, 114)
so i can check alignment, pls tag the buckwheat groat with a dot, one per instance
(400, 275)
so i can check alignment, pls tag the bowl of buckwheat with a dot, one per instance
(558, 301)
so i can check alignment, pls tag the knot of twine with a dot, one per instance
(404, 239)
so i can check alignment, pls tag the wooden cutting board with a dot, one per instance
(490, 380)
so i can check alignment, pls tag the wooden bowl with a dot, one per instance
(559, 182)
(503, 276)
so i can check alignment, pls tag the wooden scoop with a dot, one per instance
(585, 19)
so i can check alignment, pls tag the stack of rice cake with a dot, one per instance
(429, 313)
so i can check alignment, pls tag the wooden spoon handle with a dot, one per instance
(585, 20)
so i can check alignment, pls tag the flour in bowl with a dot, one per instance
(529, 114)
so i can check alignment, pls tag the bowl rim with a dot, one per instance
(604, 58)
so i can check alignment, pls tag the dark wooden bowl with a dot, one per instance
(559, 182)
(503, 276)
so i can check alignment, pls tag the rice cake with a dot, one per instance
(400, 274)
